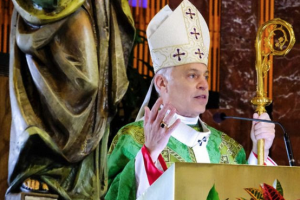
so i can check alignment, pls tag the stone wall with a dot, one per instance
(239, 24)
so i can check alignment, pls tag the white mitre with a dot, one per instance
(178, 37)
(175, 38)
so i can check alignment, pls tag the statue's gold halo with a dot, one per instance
(38, 16)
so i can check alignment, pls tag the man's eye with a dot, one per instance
(192, 75)
(206, 77)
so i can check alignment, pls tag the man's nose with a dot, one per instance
(202, 84)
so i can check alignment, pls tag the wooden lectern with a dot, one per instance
(194, 181)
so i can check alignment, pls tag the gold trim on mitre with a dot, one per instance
(38, 16)
(178, 37)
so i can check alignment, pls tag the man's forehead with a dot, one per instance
(196, 67)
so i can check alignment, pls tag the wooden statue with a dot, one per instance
(67, 74)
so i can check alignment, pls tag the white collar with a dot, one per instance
(187, 120)
(188, 135)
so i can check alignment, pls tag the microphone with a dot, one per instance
(219, 117)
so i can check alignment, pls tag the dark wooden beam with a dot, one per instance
(4, 64)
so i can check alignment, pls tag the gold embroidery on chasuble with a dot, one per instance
(192, 155)
(198, 128)
(229, 149)
(136, 132)
(171, 156)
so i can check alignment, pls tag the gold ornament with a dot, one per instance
(263, 61)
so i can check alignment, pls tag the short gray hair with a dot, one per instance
(165, 72)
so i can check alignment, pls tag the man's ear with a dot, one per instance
(160, 83)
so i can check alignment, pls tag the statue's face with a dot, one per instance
(46, 4)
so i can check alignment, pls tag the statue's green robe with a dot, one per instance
(67, 76)
(130, 139)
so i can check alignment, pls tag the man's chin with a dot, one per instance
(201, 110)
(197, 114)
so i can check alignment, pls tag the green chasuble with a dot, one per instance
(130, 139)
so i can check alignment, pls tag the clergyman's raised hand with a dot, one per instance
(156, 134)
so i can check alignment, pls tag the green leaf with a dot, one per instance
(213, 194)
(278, 186)
(256, 194)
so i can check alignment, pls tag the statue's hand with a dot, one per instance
(46, 4)
(34, 185)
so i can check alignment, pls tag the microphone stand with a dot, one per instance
(286, 137)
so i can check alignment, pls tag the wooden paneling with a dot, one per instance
(5, 120)
(214, 56)
(142, 16)
(266, 13)
(6, 8)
